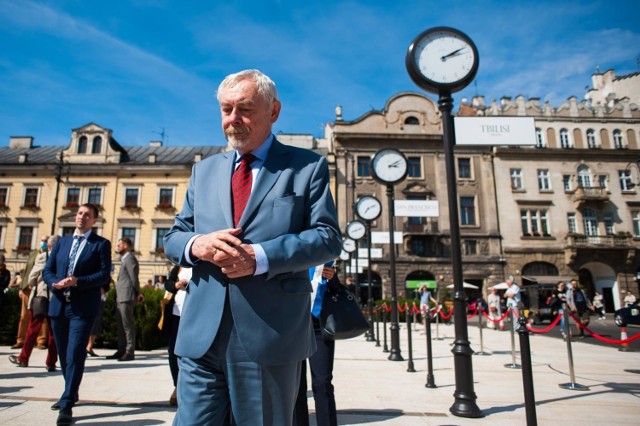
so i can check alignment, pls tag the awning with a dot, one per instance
(548, 279)
(419, 283)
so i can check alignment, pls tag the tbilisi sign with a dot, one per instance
(416, 208)
(495, 131)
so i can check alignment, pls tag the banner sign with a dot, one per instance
(383, 237)
(416, 208)
(495, 130)
(376, 253)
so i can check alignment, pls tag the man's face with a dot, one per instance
(121, 247)
(574, 284)
(85, 219)
(246, 118)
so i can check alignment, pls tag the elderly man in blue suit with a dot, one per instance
(254, 220)
(78, 266)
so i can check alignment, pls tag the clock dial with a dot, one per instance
(442, 58)
(368, 207)
(344, 255)
(355, 230)
(389, 166)
(348, 245)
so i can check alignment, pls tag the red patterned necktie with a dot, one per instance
(241, 186)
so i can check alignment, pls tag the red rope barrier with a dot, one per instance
(602, 338)
(486, 315)
(547, 329)
(446, 317)
(472, 313)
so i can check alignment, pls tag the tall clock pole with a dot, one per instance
(443, 60)
(371, 335)
(395, 354)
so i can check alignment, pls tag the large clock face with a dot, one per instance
(389, 166)
(348, 245)
(368, 207)
(355, 230)
(442, 58)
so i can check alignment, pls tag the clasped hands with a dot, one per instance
(70, 281)
(225, 250)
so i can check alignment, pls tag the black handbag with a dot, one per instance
(340, 316)
(40, 307)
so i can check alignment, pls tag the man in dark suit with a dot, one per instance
(78, 266)
(127, 294)
(245, 324)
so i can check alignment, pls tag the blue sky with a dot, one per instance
(140, 66)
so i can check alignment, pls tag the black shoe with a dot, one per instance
(16, 346)
(127, 357)
(56, 406)
(90, 352)
(65, 417)
(51, 369)
(14, 360)
(116, 355)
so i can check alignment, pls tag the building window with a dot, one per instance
(591, 139)
(590, 221)
(584, 177)
(544, 181)
(68, 230)
(603, 182)
(535, 223)
(464, 168)
(96, 148)
(572, 224)
(131, 197)
(636, 223)
(363, 166)
(4, 195)
(566, 183)
(540, 140)
(608, 224)
(25, 238)
(415, 167)
(625, 180)
(160, 233)
(31, 197)
(82, 145)
(470, 247)
(565, 142)
(73, 197)
(131, 234)
(165, 197)
(516, 179)
(418, 247)
(618, 139)
(95, 196)
(467, 211)
(411, 120)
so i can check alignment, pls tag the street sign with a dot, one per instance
(496, 131)
(383, 237)
(416, 208)
(376, 253)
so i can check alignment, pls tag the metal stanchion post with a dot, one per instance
(427, 325)
(438, 325)
(415, 317)
(527, 371)
(481, 352)
(513, 363)
(572, 385)
(384, 330)
(377, 327)
(407, 316)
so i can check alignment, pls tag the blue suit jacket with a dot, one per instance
(291, 213)
(93, 268)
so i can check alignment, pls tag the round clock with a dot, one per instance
(442, 59)
(389, 166)
(368, 207)
(344, 256)
(348, 245)
(355, 230)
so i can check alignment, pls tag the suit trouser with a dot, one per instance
(126, 327)
(225, 376)
(174, 323)
(30, 342)
(71, 333)
(321, 365)
(23, 325)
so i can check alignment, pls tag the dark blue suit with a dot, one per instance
(72, 321)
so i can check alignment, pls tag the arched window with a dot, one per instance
(97, 145)
(618, 139)
(540, 268)
(565, 142)
(82, 145)
(590, 221)
(591, 139)
(584, 176)
(411, 120)
(540, 141)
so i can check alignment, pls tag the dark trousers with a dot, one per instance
(72, 333)
(321, 364)
(173, 325)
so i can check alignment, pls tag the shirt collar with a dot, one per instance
(86, 234)
(260, 152)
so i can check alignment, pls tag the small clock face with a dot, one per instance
(442, 58)
(368, 207)
(355, 230)
(389, 166)
(344, 256)
(348, 245)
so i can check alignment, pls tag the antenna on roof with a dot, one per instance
(162, 134)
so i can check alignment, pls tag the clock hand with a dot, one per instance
(395, 164)
(454, 53)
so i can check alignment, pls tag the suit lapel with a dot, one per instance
(222, 180)
(271, 170)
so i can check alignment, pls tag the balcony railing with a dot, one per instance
(599, 240)
(590, 193)
(422, 228)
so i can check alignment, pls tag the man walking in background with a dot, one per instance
(78, 266)
(127, 295)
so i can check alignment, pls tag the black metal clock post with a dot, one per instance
(370, 335)
(395, 354)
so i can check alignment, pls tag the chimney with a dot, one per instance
(21, 142)
(155, 144)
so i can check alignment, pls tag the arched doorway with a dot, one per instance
(601, 277)
(417, 279)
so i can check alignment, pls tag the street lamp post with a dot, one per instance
(58, 176)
